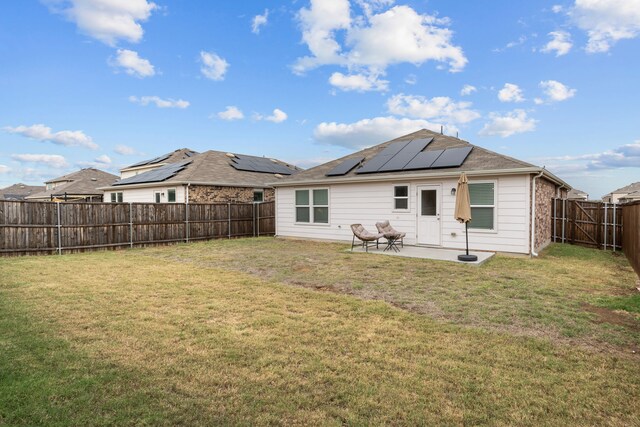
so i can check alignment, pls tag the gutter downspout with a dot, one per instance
(533, 214)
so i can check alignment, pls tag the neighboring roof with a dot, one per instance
(172, 157)
(634, 195)
(19, 191)
(480, 159)
(576, 194)
(82, 182)
(208, 168)
(628, 189)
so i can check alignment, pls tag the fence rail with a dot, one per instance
(593, 224)
(48, 227)
(631, 233)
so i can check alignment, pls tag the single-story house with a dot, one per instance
(625, 193)
(209, 177)
(81, 185)
(411, 181)
(19, 191)
(575, 194)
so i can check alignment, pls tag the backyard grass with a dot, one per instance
(236, 332)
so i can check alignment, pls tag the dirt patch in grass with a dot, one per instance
(613, 317)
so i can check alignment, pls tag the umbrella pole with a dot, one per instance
(466, 232)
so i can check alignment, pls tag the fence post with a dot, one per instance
(564, 216)
(606, 205)
(555, 208)
(258, 221)
(186, 221)
(59, 229)
(614, 227)
(229, 224)
(130, 224)
(254, 219)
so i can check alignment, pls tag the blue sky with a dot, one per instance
(107, 83)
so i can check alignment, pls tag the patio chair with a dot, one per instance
(391, 234)
(365, 236)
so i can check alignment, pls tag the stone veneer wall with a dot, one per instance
(217, 194)
(545, 192)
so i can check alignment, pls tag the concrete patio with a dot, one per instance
(427, 253)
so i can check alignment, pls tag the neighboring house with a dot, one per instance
(81, 185)
(575, 194)
(19, 191)
(414, 187)
(621, 193)
(630, 197)
(209, 177)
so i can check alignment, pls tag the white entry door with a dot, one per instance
(429, 215)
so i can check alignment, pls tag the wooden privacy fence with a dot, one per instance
(631, 234)
(593, 224)
(47, 227)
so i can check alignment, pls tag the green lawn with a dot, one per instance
(268, 331)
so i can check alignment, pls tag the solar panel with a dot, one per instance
(160, 174)
(404, 156)
(259, 164)
(151, 161)
(344, 167)
(423, 160)
(452, 157)
(383, 157)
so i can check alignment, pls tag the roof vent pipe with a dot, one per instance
(441, 130)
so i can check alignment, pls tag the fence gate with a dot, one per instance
(593, 224)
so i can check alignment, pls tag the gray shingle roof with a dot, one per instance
(479, 159)
(19, 191)
(172, 157)
(82, 182)
(628, 189)
(214, 168)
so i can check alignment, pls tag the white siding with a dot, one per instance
(368, 203)
(146, 195)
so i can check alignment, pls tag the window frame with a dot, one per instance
(115, 195)
(175, 195)
(256, 192)
(157, 196)
(311, 206)
(494, 206)
(395, 198)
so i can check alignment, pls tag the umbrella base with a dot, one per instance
(467, 258)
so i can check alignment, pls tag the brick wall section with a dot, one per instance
(217, 194)
(545, 192)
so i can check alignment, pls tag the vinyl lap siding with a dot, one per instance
(372, 202)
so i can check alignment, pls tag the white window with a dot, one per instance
(312, 206)
(258, 196)
(171, 195)
(116, 197)
(401, 197)
(483, 204)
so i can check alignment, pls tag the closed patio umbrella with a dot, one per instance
(462, 212)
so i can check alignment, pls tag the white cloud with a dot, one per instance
(213, 67)
(508, 124)
(521, 40)
(440, 109)
(606, 21)
(556, 91)
(373, 41)
(468, 90)
(132, 64)
(510, 93)
(620, 157)
(367, 132)
(560, 43)
(40, 132)
(411, 79)
(259, 21)
(107, 20)
(159, 102)
(5, 169)
(231, 113)
(358, 82)
(556, 8)
(278, 116)
(102, 161)
(125, 150)
(51, 160)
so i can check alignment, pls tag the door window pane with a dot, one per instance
(428, 202)
(157, 197)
